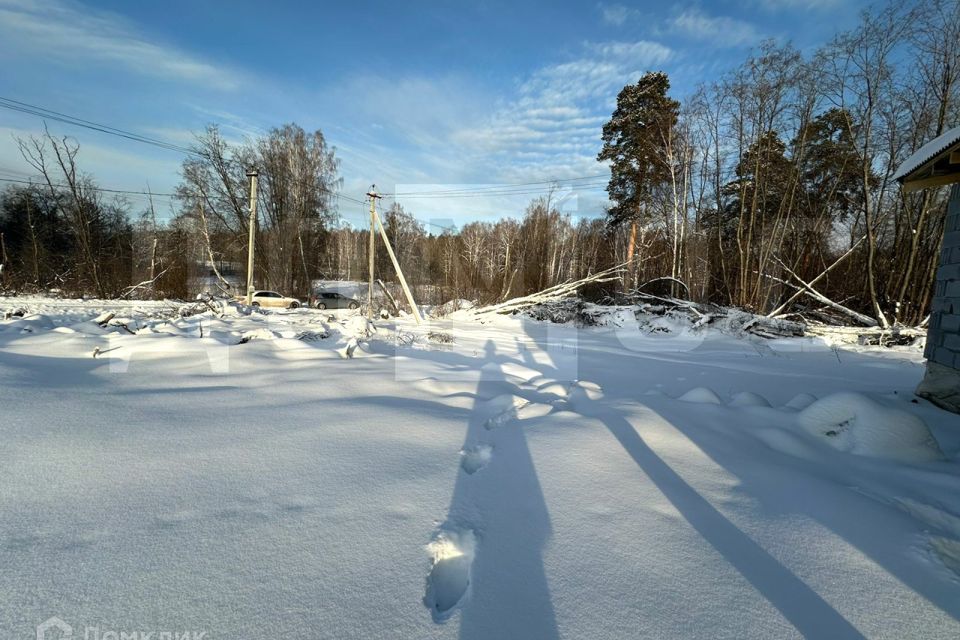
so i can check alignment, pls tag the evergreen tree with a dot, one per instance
(635, 142)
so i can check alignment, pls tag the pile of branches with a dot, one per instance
(552, 294)
(728, 319)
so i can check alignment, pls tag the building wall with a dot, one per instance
(943, 336)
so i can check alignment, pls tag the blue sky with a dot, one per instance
(444, 94)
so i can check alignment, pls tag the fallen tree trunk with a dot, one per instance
(816, 295)
(796, 295)
(556, 292)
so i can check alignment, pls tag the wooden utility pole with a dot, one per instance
(396, 266)
(372, 194)
(252, 224)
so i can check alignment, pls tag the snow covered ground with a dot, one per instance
(241, 476)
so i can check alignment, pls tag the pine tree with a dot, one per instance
(635, 142)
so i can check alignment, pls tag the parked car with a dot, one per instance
(333, 300)
(271, 299)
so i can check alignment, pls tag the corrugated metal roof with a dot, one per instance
(928, 152)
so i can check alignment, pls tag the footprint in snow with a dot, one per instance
(523, 410)
(472, 459)
(451, 553)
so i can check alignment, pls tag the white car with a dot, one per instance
(271, 299)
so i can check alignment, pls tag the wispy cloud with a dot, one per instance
(615, 14)
(695, 24)
(553, 123)
(77, 35)
(779, 5)
(720, 30)
(450, 131)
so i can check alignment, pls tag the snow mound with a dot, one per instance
(748, 399)
(700, 395)
(451, 553)
(451, 306)
(584, 390)
(257, 334)
(31, 323)
(856, 424)
(359, 326)
(801, 401)
(554, 387)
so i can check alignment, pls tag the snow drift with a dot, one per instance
(856, 424)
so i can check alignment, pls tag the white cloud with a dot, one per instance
(721, 30)
(806, 5)
(551, 128)
(77, 35)
(449, 131)
(615, 14)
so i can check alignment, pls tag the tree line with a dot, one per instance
(769, 189)
(780, 172)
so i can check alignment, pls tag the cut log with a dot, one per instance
(104, 318)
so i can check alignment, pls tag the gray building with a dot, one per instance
(936, 164)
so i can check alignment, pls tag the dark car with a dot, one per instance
(327, 300)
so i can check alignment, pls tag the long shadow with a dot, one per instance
(800, 605)
(810, 614)
(503, 505)
(772, 492)
(46, 372)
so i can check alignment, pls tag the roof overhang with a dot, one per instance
(935, 164)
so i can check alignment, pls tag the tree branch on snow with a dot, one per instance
(816, 295)
(140, 285)
(796, 295)
(555, 292)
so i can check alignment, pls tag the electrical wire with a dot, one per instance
(100, 189)
(50, 114)
(492, 194)
(128, 192)
(499, 190)
(499, 187)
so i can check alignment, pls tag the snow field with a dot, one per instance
(491, 487)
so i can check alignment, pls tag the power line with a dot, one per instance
(383, 215)
(50, 114)
(131, 192)
(498, 187)
(510, 192)
(100, 189)
(43, 112)
(507, 189)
